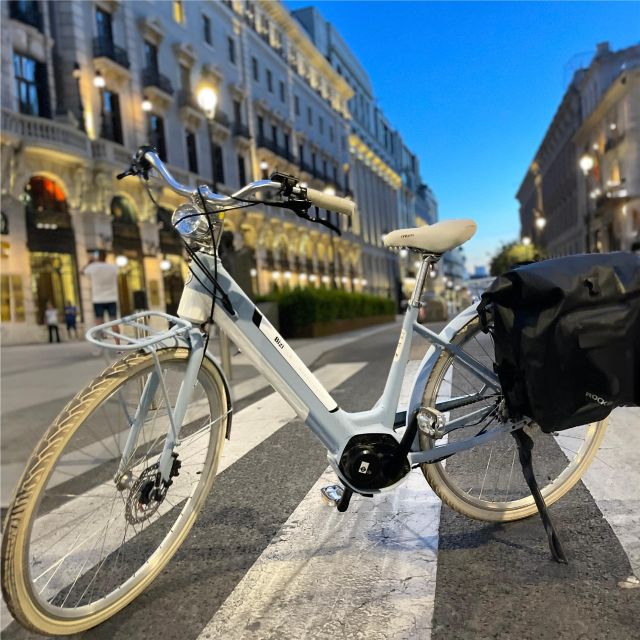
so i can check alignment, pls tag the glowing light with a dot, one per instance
(253, 272)
(275, 275)
(325, 279)
(208, 101)
(313, 277)
(98, 80)
(586, 163)
(303, 276)
(287, 275)
(330, 191)
(541, 223)
(264, 165)
(146, 104)
(403, 253)
(122, 261)
(165, 264)
(526, 241)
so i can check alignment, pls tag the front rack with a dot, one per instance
(142, 334)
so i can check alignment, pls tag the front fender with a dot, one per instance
(431, 357)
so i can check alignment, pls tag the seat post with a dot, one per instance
(427, 260)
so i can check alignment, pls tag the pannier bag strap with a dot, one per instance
(525, 446)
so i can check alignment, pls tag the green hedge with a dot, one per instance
(299, 308)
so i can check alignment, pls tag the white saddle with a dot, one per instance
(435, 238)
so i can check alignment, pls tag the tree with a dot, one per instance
(513, 253)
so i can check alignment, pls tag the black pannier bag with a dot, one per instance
(567, 337)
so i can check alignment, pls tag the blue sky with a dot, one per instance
(472, 87)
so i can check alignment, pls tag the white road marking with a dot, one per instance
(613, 479)
(250, 427)
(332, 575)
(341, 575)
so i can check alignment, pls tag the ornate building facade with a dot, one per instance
(582, 189)
(227, 92)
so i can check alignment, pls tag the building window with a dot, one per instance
(274, 133)
(192, 153)
(104, 28)
(232, 49)
(269, 80)
(217, 163)
(155, 126)
(287, 142)
(309, 115)
(313, 161)
(282, 91)
(330, 133)
(151, 58)
(321, 124)
(27, 11)
(255, 70)
(324, 169)
(178, 11)
(31, 86)
(206, 29)
(185, 78)
(260, 126)
(296, 105)
(237, 112)
(301, 153)
(111, 122)
(242, 172)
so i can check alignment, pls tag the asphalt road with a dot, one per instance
(267, 559)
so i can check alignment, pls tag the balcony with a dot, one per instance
(189, 108)
(241, 130)
(103, 48)
(111, 153)
(27, 13)
(151, 78)
(274, 147)
(46, 133)
(222, 119)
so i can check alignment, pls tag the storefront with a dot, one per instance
(127, 248)
(51, 247)
(172, 264)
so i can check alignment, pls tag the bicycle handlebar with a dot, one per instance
(147, 158)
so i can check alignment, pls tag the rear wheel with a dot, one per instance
(486, 482)
(78, 546)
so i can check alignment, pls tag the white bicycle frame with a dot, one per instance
(270, 354)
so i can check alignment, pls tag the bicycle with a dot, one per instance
(115, 484)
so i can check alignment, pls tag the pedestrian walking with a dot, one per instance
(104, 287)
(51, 320)
(70, 317)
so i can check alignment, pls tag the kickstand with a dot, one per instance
(525, 446)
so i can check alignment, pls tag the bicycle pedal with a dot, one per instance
(431, 422)
(331, 494)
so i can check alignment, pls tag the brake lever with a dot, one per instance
(129, 172)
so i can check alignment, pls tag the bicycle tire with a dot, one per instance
(17, 589)
(450, 491)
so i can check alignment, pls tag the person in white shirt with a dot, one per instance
(51, 320)
(104, 287)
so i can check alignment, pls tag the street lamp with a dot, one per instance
(98, 80)
(541, 223)
(264, 168)
(586, 164)
(208, 101)
(146, 105)
(526, 241)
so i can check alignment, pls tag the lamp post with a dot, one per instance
(99, 83)
(208, 101)
(586, 164)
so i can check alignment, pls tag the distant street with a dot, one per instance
(267, 559)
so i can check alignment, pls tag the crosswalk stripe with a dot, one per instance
(250, 427)
(356, 574)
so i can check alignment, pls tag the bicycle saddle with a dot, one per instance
(435, 238)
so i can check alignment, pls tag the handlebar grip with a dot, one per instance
(331, 203)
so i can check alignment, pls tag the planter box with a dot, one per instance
(320, 329)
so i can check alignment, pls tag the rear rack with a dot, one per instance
(142, 336)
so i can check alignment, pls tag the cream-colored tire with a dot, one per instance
(496, 491)
(45, 498)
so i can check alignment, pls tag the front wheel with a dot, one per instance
(78, 545)
(486, 482)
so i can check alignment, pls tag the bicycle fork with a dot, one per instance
(176, 415)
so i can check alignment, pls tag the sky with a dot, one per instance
(472, 88)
